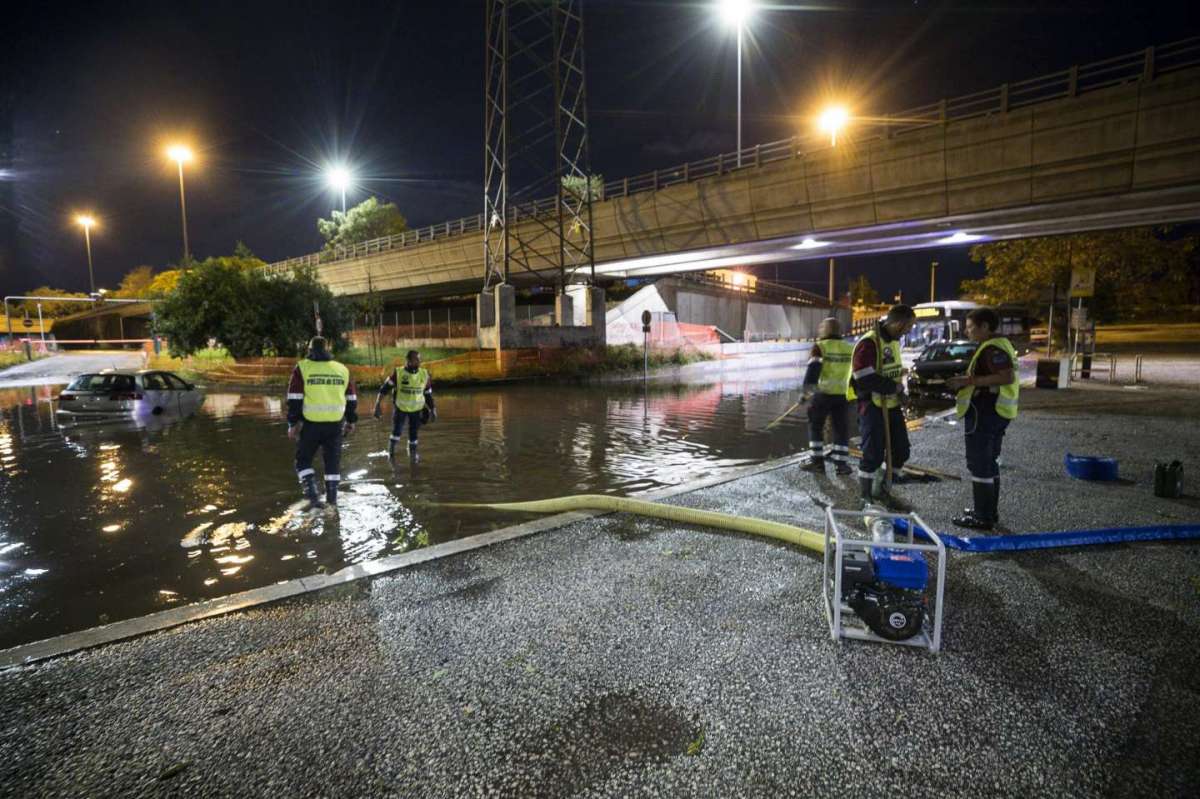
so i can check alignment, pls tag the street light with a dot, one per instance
(831, 120)
(735, 14)
(339, 179)
(181, 154)
(87, 221)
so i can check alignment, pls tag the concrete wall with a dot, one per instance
(1133, 137)
(508, 333)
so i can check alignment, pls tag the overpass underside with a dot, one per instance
(1121, 156)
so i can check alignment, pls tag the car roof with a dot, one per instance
(129, 372)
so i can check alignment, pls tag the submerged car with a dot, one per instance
(936, 363)
(115, 392)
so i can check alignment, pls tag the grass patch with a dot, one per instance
(13, 357)
(625, 358)
(361, 356)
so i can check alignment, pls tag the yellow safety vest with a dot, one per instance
(410, 389)
(1006, 402)
(835, 367)
(325, 384)
(889, 370)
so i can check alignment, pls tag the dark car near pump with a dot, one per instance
(937, 363)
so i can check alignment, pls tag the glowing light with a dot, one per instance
(810, 244)
(123, 486)
(832, 120)
(959, 238)
(338, 178)
(740, 279)
(111, 528)
(86, 221)
(180, 153)
(735, 13)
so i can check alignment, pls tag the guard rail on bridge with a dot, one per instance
(1139, 65)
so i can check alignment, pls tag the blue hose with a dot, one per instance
(1069, 538)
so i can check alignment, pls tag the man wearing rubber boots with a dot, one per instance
(986, 402)
(413, 402)
(875, 381)
(321, 394)
(829, 374)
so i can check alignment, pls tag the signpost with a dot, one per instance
(645, 346)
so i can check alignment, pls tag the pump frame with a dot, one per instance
(837, 542)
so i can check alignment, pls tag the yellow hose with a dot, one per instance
(672, 513)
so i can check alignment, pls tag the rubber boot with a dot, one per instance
(816, 464)
(865, 485)
(842, 468)
(391, 447)
(331, 487)
(979, 518)
(996, 501)
(309, 482)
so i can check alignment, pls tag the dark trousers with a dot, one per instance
(836, 408)
(414, 424)
(984, 434)
(870, 427)
(326, 436)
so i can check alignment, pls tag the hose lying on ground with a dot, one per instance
(1068, 538)
(673, 513)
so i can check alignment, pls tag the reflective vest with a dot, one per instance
(891, 369)
(325, 384)
(835, 367)
(410, 389)
(1006, 402)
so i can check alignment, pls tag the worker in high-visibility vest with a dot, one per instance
(322, 405)
(412, 404)
(986, 402)
(826, 383)
(876, 370)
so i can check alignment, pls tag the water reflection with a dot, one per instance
(109, 519)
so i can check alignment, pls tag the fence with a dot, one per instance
(1139, 65)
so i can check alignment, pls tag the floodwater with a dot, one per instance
(102, 522)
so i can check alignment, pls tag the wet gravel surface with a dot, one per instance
(627, 657)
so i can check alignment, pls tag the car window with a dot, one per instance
(122, 383)
(950, 352)
(154, 382)
(175, 382)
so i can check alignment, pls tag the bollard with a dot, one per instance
(28, 350)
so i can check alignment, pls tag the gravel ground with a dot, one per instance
(626, 657)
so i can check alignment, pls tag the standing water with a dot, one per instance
(102, 522)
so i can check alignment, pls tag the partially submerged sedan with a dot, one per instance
(115, 392)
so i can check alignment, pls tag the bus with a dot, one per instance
(947, 321)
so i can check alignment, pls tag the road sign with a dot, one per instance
(27, 322)
(1083, 282)
(1079, 318)
(646, 321)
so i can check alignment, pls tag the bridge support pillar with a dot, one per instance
(564, 310)
(485, 309)
(597, 314)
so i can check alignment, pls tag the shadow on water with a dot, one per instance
(107, 520)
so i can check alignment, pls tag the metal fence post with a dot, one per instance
(656, 180)
(758, 155)
(1148, 65)
(1073, 81)
(1003, 98)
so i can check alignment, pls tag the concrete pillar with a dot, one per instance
(564, 310)
(597, 315)
(578, 294)
(485, 309)
(505, 316)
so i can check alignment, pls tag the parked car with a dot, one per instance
(936, 363)
(115, 392)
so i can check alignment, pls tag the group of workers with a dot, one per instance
(323, 406)
(870, 371)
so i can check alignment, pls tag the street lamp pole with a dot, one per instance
(86, 221)
(933, 281)
(183, 214)
(741, 27)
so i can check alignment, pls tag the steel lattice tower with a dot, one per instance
(537, 201)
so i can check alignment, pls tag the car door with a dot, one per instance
(183, 393)
(158, 393)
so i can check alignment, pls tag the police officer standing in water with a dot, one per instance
(875, 381)
(829, 373)
(320, 395)
(413, 403)
(986, 402)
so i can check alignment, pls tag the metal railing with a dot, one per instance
(1142, 65)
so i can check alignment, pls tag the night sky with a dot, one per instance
(269, 92)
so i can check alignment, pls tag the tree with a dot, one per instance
(861, 292)
(574, 185)
(247, 311)
(51, 309)
(164, 283)
(136, 283)
(365, 221)
(1137, 270)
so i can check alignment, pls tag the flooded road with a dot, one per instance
(106, 521)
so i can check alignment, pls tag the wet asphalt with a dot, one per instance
(627, 657)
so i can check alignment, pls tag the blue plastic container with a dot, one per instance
(1086, 467)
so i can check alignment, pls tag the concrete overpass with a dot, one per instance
(1111, 144)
